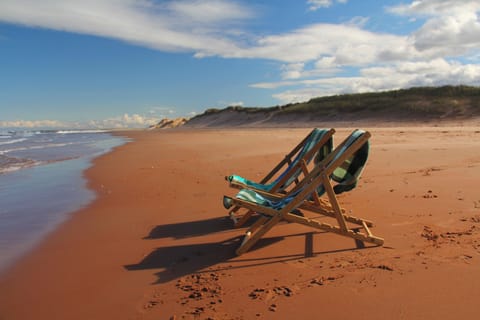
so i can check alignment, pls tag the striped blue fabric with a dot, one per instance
(315, 137)
(338, 176)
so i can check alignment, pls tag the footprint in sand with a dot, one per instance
(199, 287)
(429, 195)
(266, 294)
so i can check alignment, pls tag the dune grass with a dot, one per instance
(419, 102)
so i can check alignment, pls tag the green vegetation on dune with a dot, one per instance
(454, 100)
(242, 109)
(423, 103)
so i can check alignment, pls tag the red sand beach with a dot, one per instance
(156, 243)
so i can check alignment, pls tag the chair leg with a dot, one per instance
(233, 216)
(249, 240)
(260, 221)
(239, 221)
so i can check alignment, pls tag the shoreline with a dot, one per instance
(157, 224)
(37, 198)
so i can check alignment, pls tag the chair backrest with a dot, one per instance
(341, 166)
(347, 174)
(308, 146)
(312, 146)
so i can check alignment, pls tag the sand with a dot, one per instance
(156, 243)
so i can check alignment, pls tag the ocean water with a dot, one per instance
(41, 183)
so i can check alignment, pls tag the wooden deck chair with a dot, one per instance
(317, 144)
(343, 166)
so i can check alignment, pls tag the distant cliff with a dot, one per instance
(421, 104)
(169, 123)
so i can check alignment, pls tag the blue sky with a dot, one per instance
(129, 63)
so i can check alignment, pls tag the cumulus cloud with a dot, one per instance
(124, 121)
(344, 42)
(434, 54)
(449, 35)
(451, 27)
(435, 72)
(292, 70)
(34, 124)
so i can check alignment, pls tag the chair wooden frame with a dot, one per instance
(279, 186)
(320, 176)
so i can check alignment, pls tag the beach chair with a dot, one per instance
(317, 144)
(337, 173)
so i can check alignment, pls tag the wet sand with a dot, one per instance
(156, 244)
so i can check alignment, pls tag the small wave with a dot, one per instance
(12, 141)
(45, 146)
(5, 134)
(15, 168)
(9, 164)
(81, 131)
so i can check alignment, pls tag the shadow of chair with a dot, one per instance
(189, 229)
(174, 262)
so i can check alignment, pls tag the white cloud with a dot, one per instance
(315, 59)
(449, 34)
(326, 65)
(161, 112)
(125, 121)
(34, 124)
(210, 28)
(317, 4)
(205, 28)
(233, 103)
(451, 28)
(435, 7)
(169, 26)
(432, 73)
(292, 70)
(319, 87)
(359, 21)
(344, 42)
(434, 54)
(236, 103)
(210, 11)
(399, 75)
